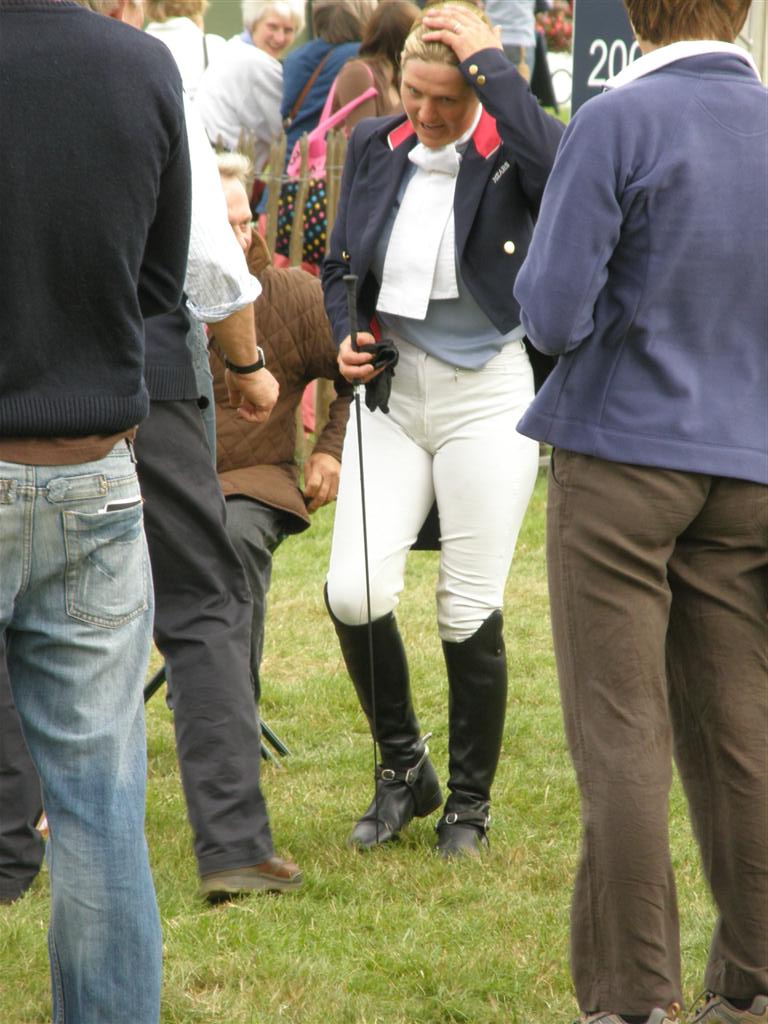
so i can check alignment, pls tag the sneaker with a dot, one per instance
(273, 875)
(717, 1010)
(656, 1017)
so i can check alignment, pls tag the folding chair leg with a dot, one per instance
(154, 683)
(267, 755)
(274, 739)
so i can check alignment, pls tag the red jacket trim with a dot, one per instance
(398, 135)
(485, 137)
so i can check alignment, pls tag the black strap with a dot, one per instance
(407, 775)
(477, 818)
(307, 86)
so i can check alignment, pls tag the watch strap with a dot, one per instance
(252, 368)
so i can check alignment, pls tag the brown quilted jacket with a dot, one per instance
(257, 460)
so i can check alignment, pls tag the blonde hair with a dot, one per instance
(236, 166)
(254, 10)
(162, 10)
(416, 48)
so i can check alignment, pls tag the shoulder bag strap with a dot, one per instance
(307, 86)
(316, 138)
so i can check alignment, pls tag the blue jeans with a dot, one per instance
(76, 611)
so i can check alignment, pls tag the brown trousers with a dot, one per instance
(659, 591)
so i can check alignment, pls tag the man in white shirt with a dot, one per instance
(202, 598)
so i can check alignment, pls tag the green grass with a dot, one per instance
(393, 937)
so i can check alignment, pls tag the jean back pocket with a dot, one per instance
(107, 577)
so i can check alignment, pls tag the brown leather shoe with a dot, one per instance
(272, 875)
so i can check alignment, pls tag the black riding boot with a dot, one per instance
(406, 783)
(477, 701)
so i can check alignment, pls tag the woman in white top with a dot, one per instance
(240, 94)
(179, 24)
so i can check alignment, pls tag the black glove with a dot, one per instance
(377, 390)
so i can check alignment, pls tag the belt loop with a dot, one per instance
(131, 450)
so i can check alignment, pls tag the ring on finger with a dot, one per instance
(456, 27)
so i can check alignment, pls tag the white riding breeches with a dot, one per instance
(450, 435)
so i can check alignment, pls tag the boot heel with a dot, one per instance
(427, 795)
(431, 802)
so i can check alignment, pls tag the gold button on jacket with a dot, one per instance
(509, 248)
(473, 69)
(481, 79)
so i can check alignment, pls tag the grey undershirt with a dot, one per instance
(456, 331)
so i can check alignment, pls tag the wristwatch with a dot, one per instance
(258, 365)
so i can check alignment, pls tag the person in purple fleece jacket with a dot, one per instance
(647, 276)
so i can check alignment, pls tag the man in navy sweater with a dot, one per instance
(202, 600)
(95, 198)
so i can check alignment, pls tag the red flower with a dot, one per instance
(557, 26)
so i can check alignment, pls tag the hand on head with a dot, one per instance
(461, 28)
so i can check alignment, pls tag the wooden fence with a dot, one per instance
(273, 176)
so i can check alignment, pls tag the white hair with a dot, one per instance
(254, 10)
(235, 165)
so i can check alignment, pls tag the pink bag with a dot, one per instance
(316, 138)
(314, 236)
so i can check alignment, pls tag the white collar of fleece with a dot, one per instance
(676, 51)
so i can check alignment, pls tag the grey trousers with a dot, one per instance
(659, 592)
(256, 530)
(197, 343)
(202, 628)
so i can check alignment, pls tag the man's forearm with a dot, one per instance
(254, 394)
(236, 337)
